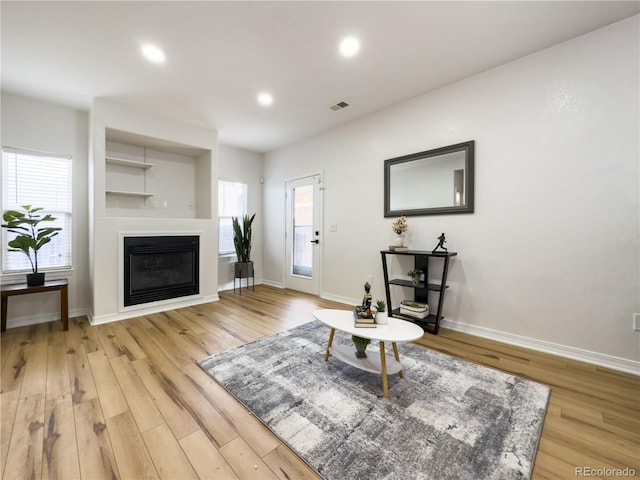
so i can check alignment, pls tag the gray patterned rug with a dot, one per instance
(447, 419)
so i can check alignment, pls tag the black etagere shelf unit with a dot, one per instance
(421, 260)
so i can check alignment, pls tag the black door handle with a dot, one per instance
(316, 241)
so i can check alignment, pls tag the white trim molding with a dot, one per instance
(573, 353)
(26, 320)
(157, 308)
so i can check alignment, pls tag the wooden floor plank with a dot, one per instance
(8, 409)
(60, 461)
(208, 463)
(35, 371)
(132, 456)
(13, 366)
(81, 380)
(24, 459)
(160, 441)
(97, 461)
(142, 407)
(109, 392)
(57, 372)
(245, 462)
(177, 417)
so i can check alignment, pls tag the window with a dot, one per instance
(232, 202)
(39, 180)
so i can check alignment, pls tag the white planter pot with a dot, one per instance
(382, 318)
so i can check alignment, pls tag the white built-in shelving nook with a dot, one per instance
(149, 176)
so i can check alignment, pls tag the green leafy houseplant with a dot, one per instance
(361, 345)
(381, 306)
(242, 237)
(415, 275)
(30, 237)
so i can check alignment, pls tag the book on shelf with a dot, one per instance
(394, 248)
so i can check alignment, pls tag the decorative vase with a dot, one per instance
(399, 241)
(382, 318)
(35, 279)
(415, 280)
(360, 350)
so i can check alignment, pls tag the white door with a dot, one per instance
(302, 255)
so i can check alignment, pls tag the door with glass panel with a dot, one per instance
(302, 256)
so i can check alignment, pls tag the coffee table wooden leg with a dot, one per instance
(64, 307)
(395, 353)
(326, 355)
(383, 364)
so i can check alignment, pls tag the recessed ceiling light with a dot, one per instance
(153, 54)
(349, 46)
(265, 99)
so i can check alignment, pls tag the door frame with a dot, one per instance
(320, 201)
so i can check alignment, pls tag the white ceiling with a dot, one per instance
(220, 55)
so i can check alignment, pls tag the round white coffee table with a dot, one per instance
(395, 331)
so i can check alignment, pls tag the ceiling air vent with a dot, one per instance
(339, 106)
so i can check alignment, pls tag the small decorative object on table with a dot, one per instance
(441, 242)
(361, 345)
(363, 317)
(382, 318)
(29, 237)
(415, 276)
(399, 226)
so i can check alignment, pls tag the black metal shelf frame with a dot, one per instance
(421, 258)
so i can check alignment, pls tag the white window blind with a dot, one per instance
(40, 180)
(232, 202)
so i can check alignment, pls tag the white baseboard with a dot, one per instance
(339, 299)
(14, 322)
(229, 285)
(595, 358)
(115, 317)
(271, 283)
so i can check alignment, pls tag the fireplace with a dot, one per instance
(160, 268)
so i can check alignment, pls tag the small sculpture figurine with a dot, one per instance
(364, 310)
(441, 242)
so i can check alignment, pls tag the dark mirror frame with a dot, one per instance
(467, 147)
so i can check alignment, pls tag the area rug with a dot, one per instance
(447, 419)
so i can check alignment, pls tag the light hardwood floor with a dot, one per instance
(126, 400)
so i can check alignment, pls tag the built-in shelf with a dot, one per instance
(128, 163)
(129, 194)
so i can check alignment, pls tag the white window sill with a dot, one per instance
(9, 278)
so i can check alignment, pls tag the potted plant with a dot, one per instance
(415, 276)
(399, 226)
(243, 268)
(29, 236)
(382, 318)
(361, 345)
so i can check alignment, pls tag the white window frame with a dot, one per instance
(221, 218)
(64, 212)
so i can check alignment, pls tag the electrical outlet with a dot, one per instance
(192, 205)
(636, 321)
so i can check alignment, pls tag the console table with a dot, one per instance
(11, 290)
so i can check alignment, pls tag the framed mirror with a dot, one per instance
(434, 182)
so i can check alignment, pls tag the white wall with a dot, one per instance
(551, 254)
(243, 166)
(34, 125)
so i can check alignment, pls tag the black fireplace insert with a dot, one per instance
(160, 267)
